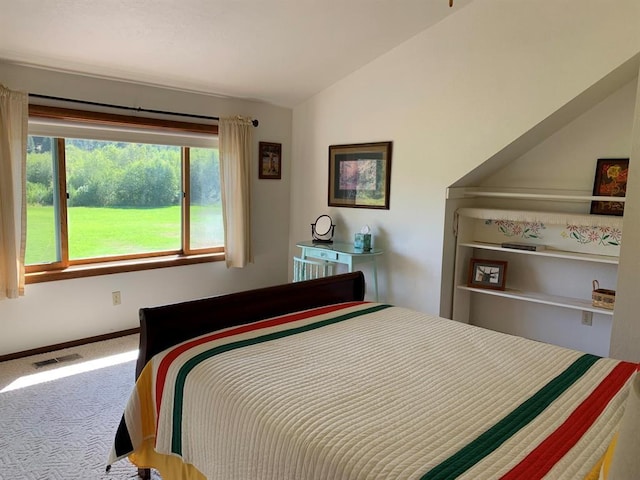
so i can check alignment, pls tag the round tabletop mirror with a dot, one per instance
(323, 225)
(322, 229)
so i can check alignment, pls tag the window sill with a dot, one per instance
(95, 269)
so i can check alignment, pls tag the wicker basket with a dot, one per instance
(602, 297)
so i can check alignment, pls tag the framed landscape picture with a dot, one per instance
(359, 175)
(270, 160)
(610, 181)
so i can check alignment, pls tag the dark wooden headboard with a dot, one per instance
(167, 325)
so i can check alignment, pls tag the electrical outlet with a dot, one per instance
(115, 296)
(587, 318)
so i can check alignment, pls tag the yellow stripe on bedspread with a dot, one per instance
(145, 456)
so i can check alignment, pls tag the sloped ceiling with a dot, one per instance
(563, 116)
(276, 51)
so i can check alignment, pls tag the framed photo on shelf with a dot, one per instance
(487, 274)
(360, 175)
(610, 181)
(270, 160)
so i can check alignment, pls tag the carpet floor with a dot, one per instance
(64, 428)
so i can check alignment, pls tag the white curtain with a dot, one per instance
(14, 108)
(235, 144)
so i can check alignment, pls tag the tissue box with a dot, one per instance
(363, 241)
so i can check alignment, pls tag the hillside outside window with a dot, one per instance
(102, 199)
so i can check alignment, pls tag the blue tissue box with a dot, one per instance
(362, 241)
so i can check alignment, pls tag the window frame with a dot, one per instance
(66, 268)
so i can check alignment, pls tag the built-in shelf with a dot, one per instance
(588, 257)
(574, 247)
(537, 297)
(543, 196)
(528, 194)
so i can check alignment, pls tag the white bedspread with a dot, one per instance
(387, 393)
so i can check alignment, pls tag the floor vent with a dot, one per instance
(51, 361)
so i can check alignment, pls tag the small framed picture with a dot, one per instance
(487, 274)
(610, 181)
(270, 163)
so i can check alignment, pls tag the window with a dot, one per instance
(119, 194)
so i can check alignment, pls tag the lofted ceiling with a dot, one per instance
(276, 51)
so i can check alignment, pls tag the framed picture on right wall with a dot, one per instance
(610, 181)
(487, 274)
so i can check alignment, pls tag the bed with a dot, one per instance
(308, 381)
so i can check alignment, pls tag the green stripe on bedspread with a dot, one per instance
(490, 440)
(176, 439)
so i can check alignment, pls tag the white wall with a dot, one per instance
(449, 99)
(56, 312)
(567, 159)
(625, 337)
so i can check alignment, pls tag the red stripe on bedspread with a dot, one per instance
(542, 459)
(177, 351)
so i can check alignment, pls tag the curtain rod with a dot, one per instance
(136, 109)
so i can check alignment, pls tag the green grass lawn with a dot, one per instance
(97, 232)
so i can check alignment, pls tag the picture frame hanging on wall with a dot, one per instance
(360, 175)
(270, 160)
(610, 181)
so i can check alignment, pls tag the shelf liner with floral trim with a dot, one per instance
(560, 231)
(557, 218)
